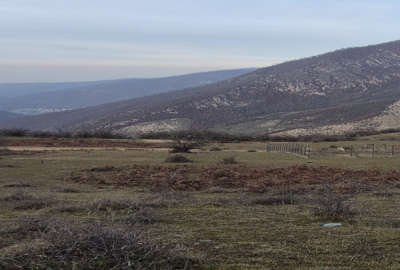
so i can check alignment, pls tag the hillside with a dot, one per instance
(346, 90)
(40, 98)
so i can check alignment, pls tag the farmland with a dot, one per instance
(233, 206)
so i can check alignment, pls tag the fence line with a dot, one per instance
(292, 148)
(367, 150)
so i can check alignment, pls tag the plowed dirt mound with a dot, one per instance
(192, 178)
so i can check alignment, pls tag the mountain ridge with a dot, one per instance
(353, 87)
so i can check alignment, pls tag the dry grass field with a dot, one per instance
(117, 204)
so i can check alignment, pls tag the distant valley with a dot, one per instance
(8, 115)
(39, 98)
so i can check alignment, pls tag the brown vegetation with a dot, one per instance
(193, 178)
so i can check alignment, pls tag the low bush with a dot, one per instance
(332, 206)
(178, 159)
(229, 160)
(183, 147)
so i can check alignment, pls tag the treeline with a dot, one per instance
(210, 136)
(226, 137)
(101, 134)
(200, 136)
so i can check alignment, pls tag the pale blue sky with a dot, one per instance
(64, 40)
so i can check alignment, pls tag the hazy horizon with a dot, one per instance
(60, 41)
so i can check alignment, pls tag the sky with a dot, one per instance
(76, 40)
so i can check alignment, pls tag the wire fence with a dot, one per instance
(358, 150)
(365, 150)
(293, 148)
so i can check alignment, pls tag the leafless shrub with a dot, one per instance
(229, 160)
(69, 245)
(333, 206)
(184, 147)
(178, 159)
